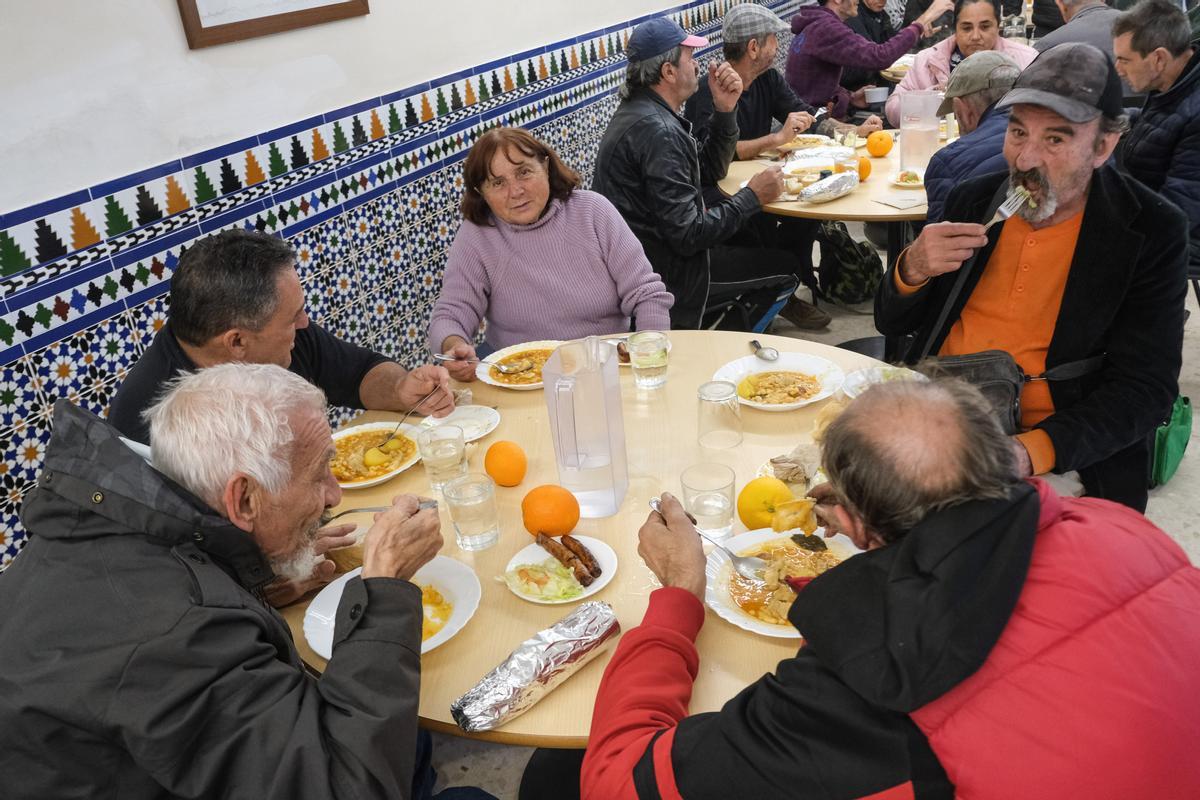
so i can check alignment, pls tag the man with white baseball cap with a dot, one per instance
(652, 167)
(1088, 276)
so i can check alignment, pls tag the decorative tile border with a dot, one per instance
(367, 194)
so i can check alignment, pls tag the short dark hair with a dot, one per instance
(1155, 24)
(477, 168)
(884, 466)
(735, 50)
(959, 5)
(227, 280)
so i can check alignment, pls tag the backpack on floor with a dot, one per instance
(850, 271)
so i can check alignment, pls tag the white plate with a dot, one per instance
(410, 431)
(476, 421)
(806, 140)
(895, 179)
(454, 579)
(482, 369)
(718, 567)
(829, 374)
(534, 554)
(858, 381)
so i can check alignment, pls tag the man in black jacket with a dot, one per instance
(235, 296)
(652, 169)
(1154, 55)
(1095, 253)
(144, 663)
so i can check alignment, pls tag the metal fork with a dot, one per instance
(749, 567)
(404, 419)
(1012, 204)
(379, 509)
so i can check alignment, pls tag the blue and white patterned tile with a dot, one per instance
(429, 279)
(335, 234)
(339, 416)
(420, 241)
(12, 533)
(417, 200)
(340, 287)
(21, 395)
(24, 453)
(444, 225)
(381, 266)
(388, 340)
(387, 216)
(146, 320)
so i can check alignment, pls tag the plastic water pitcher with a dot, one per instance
(918, 129)
(581, 381)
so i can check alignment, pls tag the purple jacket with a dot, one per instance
(824, 44)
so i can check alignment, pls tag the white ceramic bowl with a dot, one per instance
(829, 374)
(410, 431)
(453, 579)
(719, 566)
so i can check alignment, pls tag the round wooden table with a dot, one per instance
(860, 205)
(660, 435)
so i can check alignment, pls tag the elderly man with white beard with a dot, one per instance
(1088, 278)
(140, 660)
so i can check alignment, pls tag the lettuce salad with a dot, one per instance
(549, 580)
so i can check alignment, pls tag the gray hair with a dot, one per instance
(233, 418)
(648, 72)
(735, 50)
(904, 450)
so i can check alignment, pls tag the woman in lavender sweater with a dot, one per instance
(537, 257)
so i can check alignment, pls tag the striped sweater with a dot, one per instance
(576, 271)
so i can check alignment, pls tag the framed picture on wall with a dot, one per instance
(209, 22)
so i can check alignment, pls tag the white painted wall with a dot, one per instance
(91, 90)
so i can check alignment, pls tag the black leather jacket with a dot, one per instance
(651, 168)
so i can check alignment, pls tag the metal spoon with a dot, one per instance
(520, 365)
(749, 567)
(765, 353)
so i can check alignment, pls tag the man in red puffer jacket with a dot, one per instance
(995, 640)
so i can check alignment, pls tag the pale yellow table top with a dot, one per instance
(860, 205)
(660, 435)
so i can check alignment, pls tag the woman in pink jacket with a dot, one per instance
(976, 28)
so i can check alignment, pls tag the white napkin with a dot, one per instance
(903, 201)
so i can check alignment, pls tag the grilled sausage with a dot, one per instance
(567, 558)
(583, 554)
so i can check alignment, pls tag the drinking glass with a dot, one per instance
(648, 358)
(918, 129)
(720, 418)
(444, 453)
(708, 496)
(471, 501)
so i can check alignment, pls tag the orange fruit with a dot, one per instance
(879, 144)
(864, 168)
(759, 498)
(549, 509)
(505, 462)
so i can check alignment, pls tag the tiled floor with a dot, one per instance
(1175, 508)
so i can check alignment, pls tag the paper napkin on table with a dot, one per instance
(902, 201)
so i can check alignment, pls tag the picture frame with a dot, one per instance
(212, 22)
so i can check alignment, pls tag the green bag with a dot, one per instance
(1171, 441)
(850, 271)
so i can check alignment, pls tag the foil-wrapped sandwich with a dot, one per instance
(536, 667)
(830, 188)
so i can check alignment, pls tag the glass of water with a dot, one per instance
(648, 358)
(720, 417)
(471, 501)
(444, 453)
(708, 496)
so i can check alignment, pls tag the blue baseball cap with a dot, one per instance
(656, 36)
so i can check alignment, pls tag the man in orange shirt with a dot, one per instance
(1092, 267)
